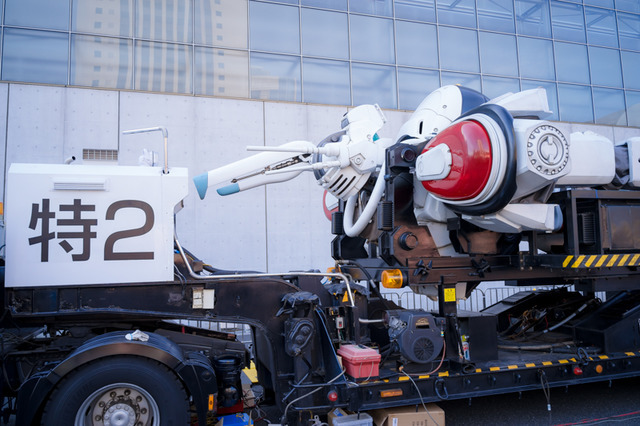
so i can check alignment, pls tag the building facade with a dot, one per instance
(223, 74)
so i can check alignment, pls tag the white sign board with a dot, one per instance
(79, 224)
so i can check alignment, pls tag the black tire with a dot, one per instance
(118, 389)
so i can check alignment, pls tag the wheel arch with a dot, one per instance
(193, 369)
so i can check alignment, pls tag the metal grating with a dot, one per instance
(100, 154)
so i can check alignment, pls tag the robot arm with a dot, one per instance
(343, 166)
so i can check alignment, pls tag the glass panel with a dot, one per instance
(629, 31)
(167, 20)
(633, 108)
(275, 77)
(458, 49)
(221, 72)
(532, 17)
(325, 34)
(552, 95)
(417, 44)
(472, 81)
(371, 39)
(221, 24)
(536, 58)
(374, 84)
(628, 5)
(601, 26)
(601, 3)
(274, 27)
(498, 54)
(605, 66)
(414, 85)
(326, 82)
(35, 56)
(496, 15)
(326, 4)
(95, 16)
(575, 103)
(163, 67)
(609, 106)
(567, 22)
(417, 10)
(53, 14)
(101, 62)
(493, 87)
(371, 7)
(572, 63)
(630, 67)
(457, 12)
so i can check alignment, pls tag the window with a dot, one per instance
(274, 28)
(532, 17)
(51, 14)
(498, 54)
(417, 44)
(275, 77)
(101, 62)
(371, 7)
(164, 20)
(633, 108)
(605, 66)
(35, 56)
(567, 22)
(221, 25)
(458, 49)
(417, 10)
(98, 17)
(457, 12)
(575, 103)
(601, 27)
(325, 34)
(496, 15)
(629, 31)
(572, 63)
(414, 85)
(372, 39)
(163, 67)
(374, 84)
(472, 81)
(493, 87)
(221, 72)
(630, 67)
(609, 106)
(326, 81)
(536, 58)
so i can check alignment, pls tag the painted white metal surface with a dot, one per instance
(74, 224)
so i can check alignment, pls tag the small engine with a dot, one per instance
(416, 334)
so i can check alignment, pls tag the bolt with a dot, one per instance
(112, 394)
(143, 411)
(101, 404)
(98, 418)
(127, 392)
(138, 398)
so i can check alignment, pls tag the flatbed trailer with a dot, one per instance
(99, 295)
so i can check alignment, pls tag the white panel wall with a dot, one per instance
(277, 228)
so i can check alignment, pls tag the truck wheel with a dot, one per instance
(118, 391)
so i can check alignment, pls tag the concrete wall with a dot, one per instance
(276, 228)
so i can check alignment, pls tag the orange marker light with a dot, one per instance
(391, 278)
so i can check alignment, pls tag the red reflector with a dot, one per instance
(470, 147)
(332, 396)
(577, 371)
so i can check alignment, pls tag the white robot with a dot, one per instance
(492, 163)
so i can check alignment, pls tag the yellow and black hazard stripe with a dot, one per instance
(601, 260)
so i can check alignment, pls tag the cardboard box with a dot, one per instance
(336, 412)
(409, 416)
(360, 361)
